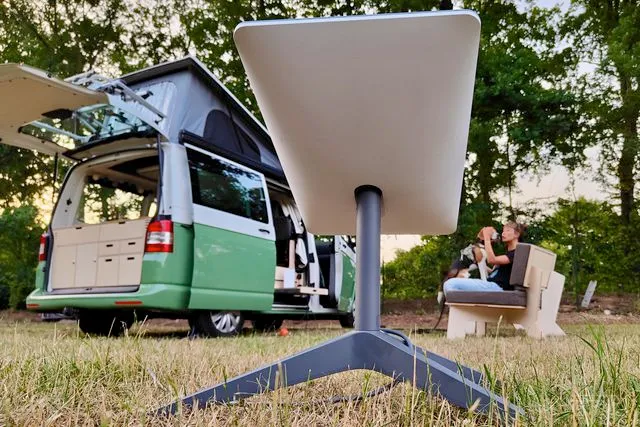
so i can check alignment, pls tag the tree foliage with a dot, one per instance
(588, 239)
(19, 242)
(605, 35)
(523, 118)
(67, 37)
(418, 272)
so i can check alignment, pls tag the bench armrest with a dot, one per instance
(530, 256)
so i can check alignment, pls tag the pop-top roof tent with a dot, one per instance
(88, 115)
(195, 102)
(363, 109)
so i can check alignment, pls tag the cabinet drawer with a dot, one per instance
(109, 248)
(86, 265)
(108, 268)
(132, 246)
(130, 269)
(123, 230)
(76, 235)
(64, 267)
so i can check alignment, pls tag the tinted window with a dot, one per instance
(223, 186)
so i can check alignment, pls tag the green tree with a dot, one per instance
(19, 242)
(606, 35)
(589, 242)
(523, 119)
(64, 37)
(67, 37)
(209, 27)
(418, 272)
(154, 32)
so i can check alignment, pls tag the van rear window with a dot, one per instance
(223, 186)
(103, 202)
(87, 125)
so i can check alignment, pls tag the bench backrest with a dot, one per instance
(530, 257)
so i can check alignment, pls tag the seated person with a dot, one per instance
(498, 280)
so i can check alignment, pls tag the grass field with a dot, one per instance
(50, 374)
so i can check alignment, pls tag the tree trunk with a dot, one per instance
(629, 153)
(510, 183)
(484, 164)
(626, 177)
(575, 256)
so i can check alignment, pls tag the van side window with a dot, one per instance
(226, 187)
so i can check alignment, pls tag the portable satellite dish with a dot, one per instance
(367, 111)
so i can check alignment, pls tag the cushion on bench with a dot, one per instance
(511, 298)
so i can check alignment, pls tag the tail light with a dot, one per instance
(159, 236)
(42, 252)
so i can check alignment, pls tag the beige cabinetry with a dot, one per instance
(103, 255)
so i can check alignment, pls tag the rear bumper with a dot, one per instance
(148, 296)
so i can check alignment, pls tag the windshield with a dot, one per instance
(74, 129)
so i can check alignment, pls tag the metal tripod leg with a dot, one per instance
(468, 373)
(372, 350)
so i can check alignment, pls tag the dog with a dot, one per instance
(472, 257)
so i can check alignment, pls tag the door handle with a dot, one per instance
(264, 230)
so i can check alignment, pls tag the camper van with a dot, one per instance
(176, 206)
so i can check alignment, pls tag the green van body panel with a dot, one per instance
(171, 268)
(347, 294)
(231, 271)
(40, 275)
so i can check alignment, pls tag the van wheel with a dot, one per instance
(104, 323)
(194, 328)
(218, 323)
(347, 321)
(267, 324)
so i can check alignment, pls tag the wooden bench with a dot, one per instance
(532, 306)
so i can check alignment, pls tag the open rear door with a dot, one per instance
(29, 94)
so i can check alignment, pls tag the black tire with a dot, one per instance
(347, 321)
(194, 329)
(217, 323)
(267, 324)
(51, 317)
(105, 323)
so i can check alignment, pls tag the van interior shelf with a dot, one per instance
(308, 290)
